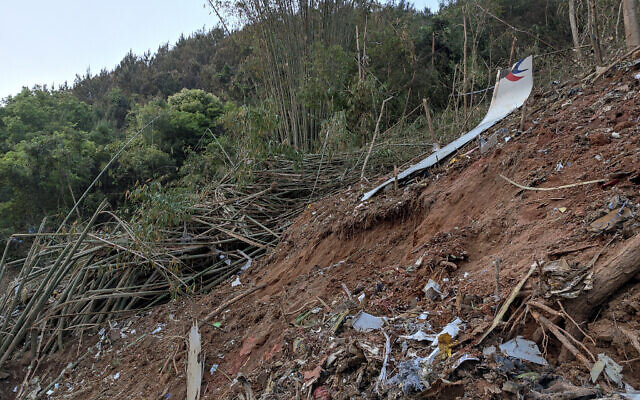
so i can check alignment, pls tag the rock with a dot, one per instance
(510, 387)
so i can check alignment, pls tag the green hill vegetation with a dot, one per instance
(293, 79)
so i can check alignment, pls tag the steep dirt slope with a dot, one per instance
(294, 336)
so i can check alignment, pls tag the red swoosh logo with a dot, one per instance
(511, 77)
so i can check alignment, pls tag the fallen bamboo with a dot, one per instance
(70, 282)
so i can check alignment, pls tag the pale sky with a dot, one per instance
(49, 42)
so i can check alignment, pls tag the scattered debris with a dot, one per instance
(432, 290)
(611, 220)
(367, 322)
(420, 337)
(464, 358)
(347, 291)
(488, 144)
(411, 376)
(611, 368)
(596, 370)
(382, 378)
(158, 329)
(524, 350)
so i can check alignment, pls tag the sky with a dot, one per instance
(49, 42)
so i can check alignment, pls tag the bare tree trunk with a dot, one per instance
(358, 54)
(433, 50)
(593, 33)
(464, 62)
(427, 113)
(631, 27)
(574, 28)
(513, 52)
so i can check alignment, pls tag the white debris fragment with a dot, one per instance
(116, 376)
(382, 378)
(489, 351)
(361, 297)
(346, 290)
(49, 392)
(364, 322)
(236, 282)
(611, 368)
(630, 392)
(432, 290)
(370, 349)
(523, 349)
(420, 337)
(158, 329)
(452, 328)
(213, 369)
(465, 357)
(615, 135)
(596, 370)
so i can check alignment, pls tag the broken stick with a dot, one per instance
(550, 188)
(562, 338)
(507, 303)
(233, 300)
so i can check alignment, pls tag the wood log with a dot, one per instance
(608, 278)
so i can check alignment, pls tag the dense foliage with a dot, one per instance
(292, 78)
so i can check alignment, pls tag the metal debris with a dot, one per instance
(523, 349)
(364, 322)
(432, 290)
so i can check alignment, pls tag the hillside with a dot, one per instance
(288, 330)
(215, 188)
